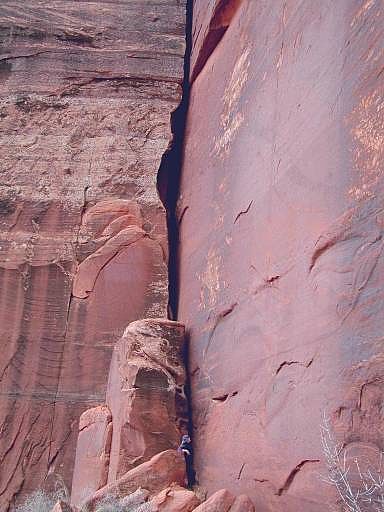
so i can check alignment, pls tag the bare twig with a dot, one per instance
(355, 496)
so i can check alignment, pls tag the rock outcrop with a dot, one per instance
(146, 393)
(159, 483)
(147, 404)
(86, 94)
(281, 244)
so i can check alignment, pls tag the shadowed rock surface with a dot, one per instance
(86, 93)
(281, 244)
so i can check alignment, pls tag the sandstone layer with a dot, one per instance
(86, 93)
(281, 244)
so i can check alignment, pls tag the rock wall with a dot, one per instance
(281, 243)
(86, 94)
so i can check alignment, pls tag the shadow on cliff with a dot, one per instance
(169, 174)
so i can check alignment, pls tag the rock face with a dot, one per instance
(92, 453)
(147, 402)
(86, 93)
(146, 393)
(281, 245)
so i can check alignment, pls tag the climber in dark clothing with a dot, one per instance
(186, 448)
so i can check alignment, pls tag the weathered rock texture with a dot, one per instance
(86, 93)
(146, 393)
(281, 245)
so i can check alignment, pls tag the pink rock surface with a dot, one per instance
(220, 501)
(175, 499)
(158, 473)
(92, 453)
(86, 93)
(242, 504)
(146, 393)
(281, 255)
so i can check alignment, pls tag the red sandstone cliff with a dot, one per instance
(87, 89)
(281, 245)
(280, 255)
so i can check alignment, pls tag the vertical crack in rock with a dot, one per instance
(51, 461)
(168, 184)
(292, 475)
(168, 178)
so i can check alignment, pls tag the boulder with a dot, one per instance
(175, 499)
(160, 472)
(146, 393)
(220, 501)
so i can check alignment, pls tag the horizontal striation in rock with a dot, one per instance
(86, 94)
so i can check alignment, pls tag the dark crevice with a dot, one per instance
(240, 471)
(188, 391)
(222, 315)
(292, 475)
(221, 398)
(224, 397)
(243, 212)
(168, 177)
(290, 363)
(168, 185)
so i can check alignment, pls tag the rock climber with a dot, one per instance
(186, 448)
